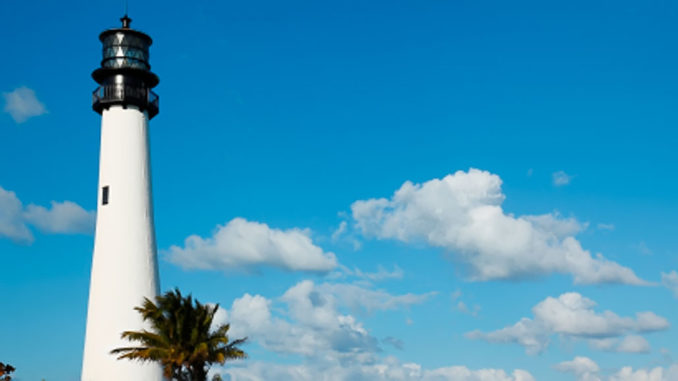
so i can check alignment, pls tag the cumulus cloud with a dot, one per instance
(242, 244)
(63, 218)
(462, 213)
(389, 369)
(670, 281)
(310, 320)
(583, 368)
(573, 315)
(561, 178)
(22, 104)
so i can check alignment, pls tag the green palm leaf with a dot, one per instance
(180, 338)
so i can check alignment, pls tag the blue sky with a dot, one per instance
(523, 138)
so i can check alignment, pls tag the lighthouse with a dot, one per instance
(124, 265)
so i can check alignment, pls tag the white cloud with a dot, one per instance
(381, 274)
(655, 374)
(309, 320)
(340, 231)
(526, 332)
(12, 223)
(609, 227)
(461, 306)
(629, 344)
(394, 342)
(583, 368)
(670, 281)
(572, 315)
(242, 244)
(634, 344)
(586, 369)
(22, 104)
(360, 299)
(462, 213)
(607, 344)
(64, 217)
(561, 178)
(389, 369)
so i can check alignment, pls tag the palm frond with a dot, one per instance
(180, 338)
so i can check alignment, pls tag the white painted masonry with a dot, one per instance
(124, 267)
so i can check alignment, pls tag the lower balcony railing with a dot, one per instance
(120, 94)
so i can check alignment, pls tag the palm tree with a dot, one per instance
(5, 370)
(181, 338)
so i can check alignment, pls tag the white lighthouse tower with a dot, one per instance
(124, 267)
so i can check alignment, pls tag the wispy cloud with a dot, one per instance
(643, 249)
(461, 306)
(629, 344)
(670, 281)
(343, 233)
(377, 276)
(561, 178)
(22, 104)
(608, 227)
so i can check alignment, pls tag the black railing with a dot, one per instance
(121, 94)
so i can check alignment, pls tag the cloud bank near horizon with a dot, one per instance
(585, 369)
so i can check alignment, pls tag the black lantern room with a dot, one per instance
(125, 76)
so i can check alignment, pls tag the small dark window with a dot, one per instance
(104, 195)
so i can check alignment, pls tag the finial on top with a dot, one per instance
(126, 21)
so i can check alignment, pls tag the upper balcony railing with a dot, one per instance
(123, 94)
